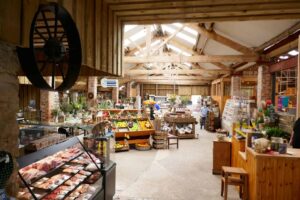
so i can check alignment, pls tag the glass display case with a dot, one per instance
(63, 171)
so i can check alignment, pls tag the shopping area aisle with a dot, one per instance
(175, 174)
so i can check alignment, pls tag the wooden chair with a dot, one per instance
(234, 176)
(172, 137)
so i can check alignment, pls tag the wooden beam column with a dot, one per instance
(235, 86)
(115, 94)
(298, 82)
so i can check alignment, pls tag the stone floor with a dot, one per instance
(174, 174)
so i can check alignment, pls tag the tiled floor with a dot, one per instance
(175, 174)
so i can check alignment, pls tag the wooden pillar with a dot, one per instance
(298, 82)
(259, 86)
(222, 95)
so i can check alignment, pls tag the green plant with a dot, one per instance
(276, 132)
(185, 100)
(66, 107)
(55, 112)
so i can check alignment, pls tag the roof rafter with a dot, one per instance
(221, 39)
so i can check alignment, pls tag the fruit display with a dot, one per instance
(135, 127)
(145, 124)
(121, 124)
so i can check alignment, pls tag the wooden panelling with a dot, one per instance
(184, 90)
(10, 22)
(27, 93)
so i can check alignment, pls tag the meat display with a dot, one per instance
(61, 176)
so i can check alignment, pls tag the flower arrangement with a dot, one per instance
(149, 102)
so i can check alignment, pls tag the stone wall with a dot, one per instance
(9, 105)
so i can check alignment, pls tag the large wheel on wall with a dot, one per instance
(54, 51)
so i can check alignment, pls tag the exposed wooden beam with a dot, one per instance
(177, 82)
(283, 49)
(179, 77)
(159, 4)
(165, 41)
(182, 71)
(194, 59)
(221, 65)
(233, 16)
(279, 37)
(244, 67)
(221, 39)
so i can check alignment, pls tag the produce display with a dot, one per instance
(133, 126)
(68, 174)
(121, 124)
(145, 125)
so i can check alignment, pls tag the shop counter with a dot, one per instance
(271, 176)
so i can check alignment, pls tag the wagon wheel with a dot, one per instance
(54, 51)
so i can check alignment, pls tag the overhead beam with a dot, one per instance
(177, 77)
(221, 39)
(283, 49)
(221, 65)
(177, 82)
(181, 71)
(244, 67)
(279, 37)
(193, 59)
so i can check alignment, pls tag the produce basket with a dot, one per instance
(143, 147)
(120, 149)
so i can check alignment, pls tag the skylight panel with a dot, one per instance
(168, 29)
(185, 53)
(138, 35)
(155, 43)
(129, 27)
(188, 64)
(179, 25)
(191, 31)
(186, 38)
(174, 48)
(293, 52)
(126, 42)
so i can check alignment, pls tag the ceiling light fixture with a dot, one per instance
(293, 52)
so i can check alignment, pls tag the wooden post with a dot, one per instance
(222, 95)
(298, 82)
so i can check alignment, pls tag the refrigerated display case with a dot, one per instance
(64, 171)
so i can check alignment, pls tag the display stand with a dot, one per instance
(177, 120)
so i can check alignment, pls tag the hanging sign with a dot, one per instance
(109, 83)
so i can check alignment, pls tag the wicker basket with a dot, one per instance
(142, 148)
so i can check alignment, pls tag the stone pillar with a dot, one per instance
(49, 100)
(264, 85)
(9, 105)
(92, 87)
(235, 86)
(138, 89)
(115, 94)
